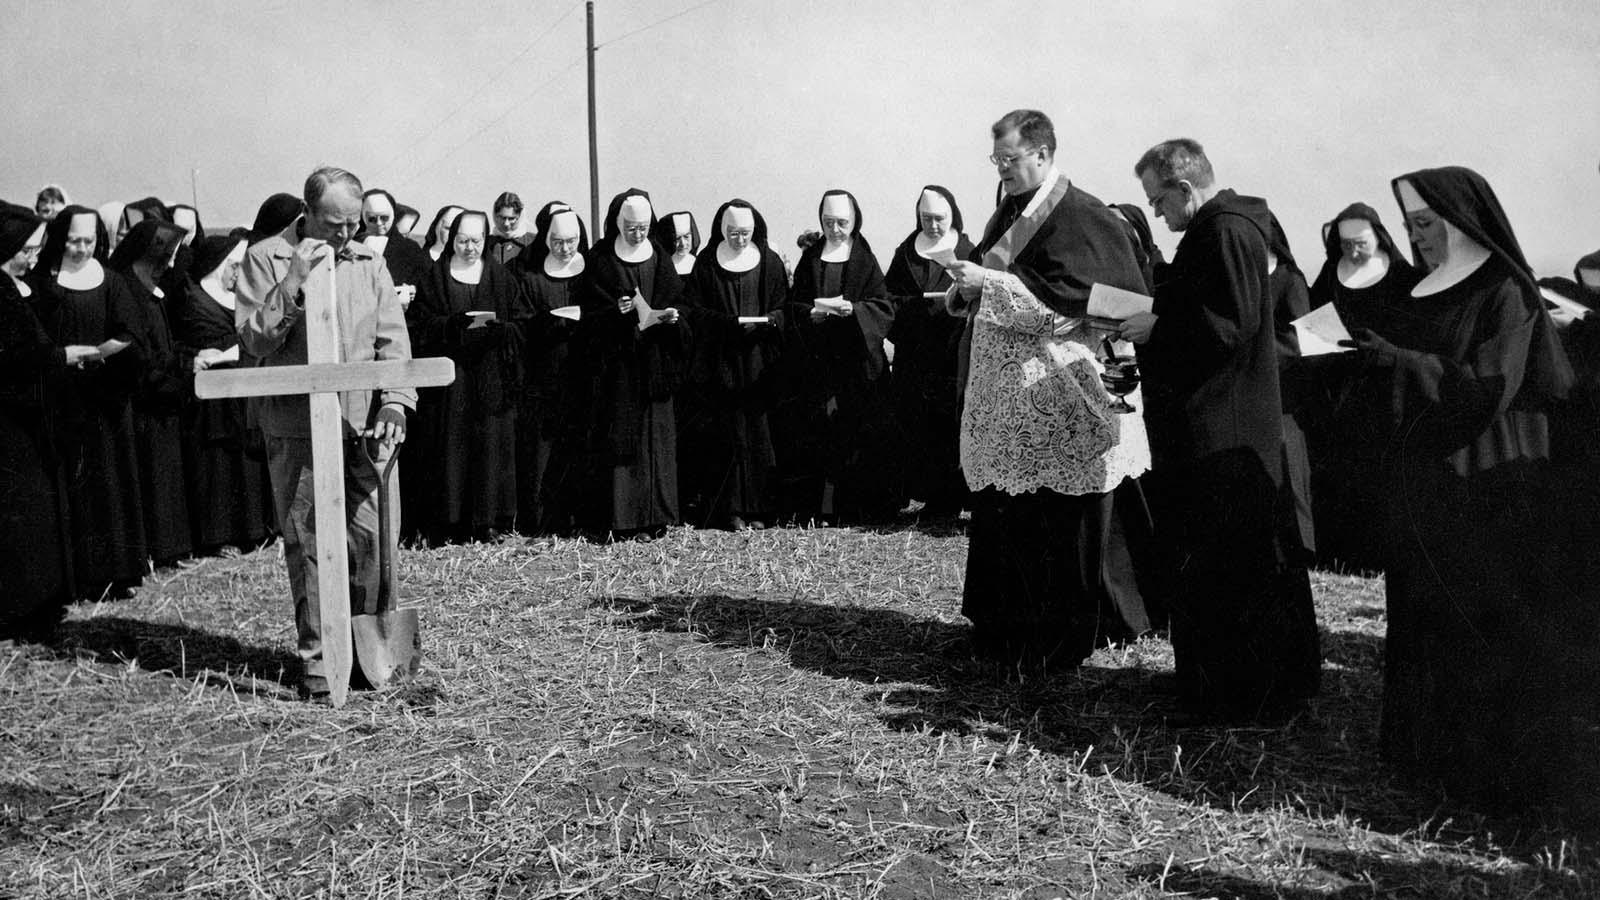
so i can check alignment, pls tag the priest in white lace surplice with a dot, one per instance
(1048, 573)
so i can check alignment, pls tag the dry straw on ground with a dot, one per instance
(787, 713)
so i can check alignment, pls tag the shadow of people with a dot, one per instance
(178, 650)
(1115, 720)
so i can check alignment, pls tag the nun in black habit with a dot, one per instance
(1345, 405)
(736, 312)
(1289, 302)
(473, 311)
(557, 394)
(408, 264)
(927, 347)
(80, 302)
(36, 552)
(1490, 660)
(230, 494)
(838, 436)
(679, 233)
(165, 385)
(639, 350)
(276, 213)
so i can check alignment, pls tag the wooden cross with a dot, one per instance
(322, 379)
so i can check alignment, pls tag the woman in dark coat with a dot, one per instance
(1489, 661)
(927, 346)
(472, 310)
(839, 434)
(230, 495)
(639, 358)
(80, 302)
(557, 391)
(166, 383)
(736, 314)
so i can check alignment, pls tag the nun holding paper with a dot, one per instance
(470, 309)
(736, 311)
(638, 343)
(927, 342)
(1489, 657)
(839, 432)
(557, 392)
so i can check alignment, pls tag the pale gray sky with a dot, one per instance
(1311, 105)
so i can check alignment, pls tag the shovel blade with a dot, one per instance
(388, 646)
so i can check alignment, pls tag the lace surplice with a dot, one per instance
(1036, 414)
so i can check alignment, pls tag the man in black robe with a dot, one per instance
(1041, 445)
(1244, 632)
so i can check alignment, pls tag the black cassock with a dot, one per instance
(466, 453)
(633, 428)
(837, 432)
(556, 402)
(165, 385)
(230, 494)
(927, 392)
(36, 553)
(1244, 631)
(726, 447)
(98, 442)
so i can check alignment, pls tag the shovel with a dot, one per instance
(387, 641)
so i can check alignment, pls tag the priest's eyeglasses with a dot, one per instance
(1006, 162)
(1161, 197)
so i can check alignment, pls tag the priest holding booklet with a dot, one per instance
(1244, 633)
(1042, 446)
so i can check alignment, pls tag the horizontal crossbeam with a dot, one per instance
(270, 381)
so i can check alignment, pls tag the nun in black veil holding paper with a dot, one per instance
(839, 435)
(927, 346)
(1346, 406)
(557, 393)
(230, 497)
(736, 313)
(81, 302)
(36, 553)
(1490, 673)
(472, 310)
(638, 342)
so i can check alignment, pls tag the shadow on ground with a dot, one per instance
(178, 650)
(1323, 762)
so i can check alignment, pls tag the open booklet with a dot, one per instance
(647, 317)
(1107, 302)
(1320, 331)
(833, 306)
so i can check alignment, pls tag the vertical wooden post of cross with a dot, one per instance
(322, 379)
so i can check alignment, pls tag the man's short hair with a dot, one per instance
(1180, 159)
(324, 177)
(508, 199)
(52, 193)
(1032, 127)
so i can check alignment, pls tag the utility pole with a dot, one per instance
(594, 150)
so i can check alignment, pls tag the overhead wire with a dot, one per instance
(491, 123)
(662, 21)
(492, 79)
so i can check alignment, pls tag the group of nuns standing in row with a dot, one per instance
(114, 466)
(648, 380)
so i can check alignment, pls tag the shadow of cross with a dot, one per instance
(322, 379)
